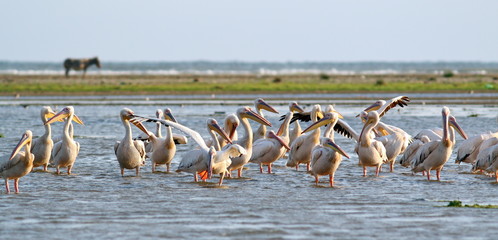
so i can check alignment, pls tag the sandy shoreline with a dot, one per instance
(185, 84)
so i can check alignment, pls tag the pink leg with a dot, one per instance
(364, 171)
(391, 166)
(378, 170)
(16, 185)
(308, 168)
(7, 185)
(428, 175)
(316, 180)
(69, 170)
(297, 167)
(423, 173)
(239, 173)
(195, 177)
(496, 176)
(153, 166)
(137, 171)
(167, 167)
(269, 168)
(260, 168)
(222, 175)
(331, 180)
(45, 167)
(438, 174)
(57, 170)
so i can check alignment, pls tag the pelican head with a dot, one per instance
(168, 115)
(25, 139)
(64, 113)
(272, 134)
(213, 125)
(159, 113)
(126, 114)
(375, 106)
(294, 107)
(261, 104)
(316, 112)
(328, 118)
(453, 122)
(372, 119)
(331, 108)
(331, 144)
(247, 112)
(46, 113)
(231, 123)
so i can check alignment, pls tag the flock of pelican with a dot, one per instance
(226, 151)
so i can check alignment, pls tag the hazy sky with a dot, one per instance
(256, 30)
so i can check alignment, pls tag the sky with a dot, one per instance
(256, 30)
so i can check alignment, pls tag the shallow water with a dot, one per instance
(96, 202)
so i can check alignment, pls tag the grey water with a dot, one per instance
(264, 68)
(95, 202)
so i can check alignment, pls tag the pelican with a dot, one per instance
(469, 149)
(231, 123)
(283, 131)
(435, 154)
(268, 150)
(64, 154)
(259, 105)
(395, 143)
(163, 149)
(484, 158)
(244, 114)
(130, 153)
(296, 131)
(493, 162)
(158, 134)
(19, 163)
(326, 157)
(300, 151)
(412, 151)
(42, 146)
(206, 160)
(371, 153)
(382, 106)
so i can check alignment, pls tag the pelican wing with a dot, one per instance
(424, 152)
(381, 149)
(432, 134)
(8, 164)
(316, 154)
(116, 145)
(191, 159)
(303, 117)
(397, 101)
(56, 149)
(193, 134)
(344, 129)
(140, 146)
(409, 152)
(260, 148)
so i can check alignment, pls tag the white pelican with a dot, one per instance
(267, 150)
(371, 153)
(231, 123)
(300, 151)
(326, 157)
(64, 154)
(411, 151)
(244, 114)
(19, 163)
(130, 153)
(382, 106)
(484, 158)
(296, 131)
(158, 134)
(163, 149)
(259, 105)
(395, 143)
(42, 146)
(206, 160)
(435, 154)
(468, 150)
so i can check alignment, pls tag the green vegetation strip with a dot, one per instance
(457, 203)
(6, 88)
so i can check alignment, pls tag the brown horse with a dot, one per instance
(80, 64)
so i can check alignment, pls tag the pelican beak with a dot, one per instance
(263, 105)
(256, 117)
(319, 115)
(138, 124)
(215, 127)
(233, 130)
(51, 114)
(279, 139)
(212, 152)
(373, 107)
(26, 138)
(322, 122)
(58, 117)
(331, 144)
(296, 108)
(77, 119)
(280, 130)
(169, 116)
(338, 114)
(452, 121)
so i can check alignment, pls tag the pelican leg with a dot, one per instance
(260, 168)
(195, 177)
(7, 185)
(16, 185)
(379, 168)
(308, 167)
(438, 174)
(423, 173)
(239, 172)
(137, 171)
(331, 180)
(122, 172)
(69, 169)
(496, 176)
(153, 166)
(167, 167)
(57, 170)
(45, 167)
(428, 175)
(364, 171)
(391, 166)
(316, 180)
(222, 175)
(297, 167)
(269, 168)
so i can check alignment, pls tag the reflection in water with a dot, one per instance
(96, 202)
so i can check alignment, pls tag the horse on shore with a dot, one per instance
(80, 64)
